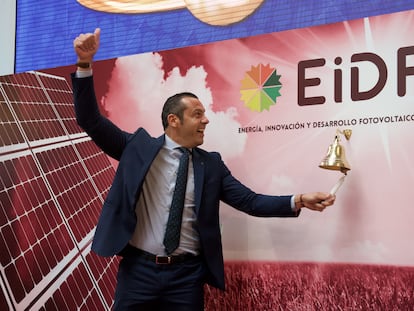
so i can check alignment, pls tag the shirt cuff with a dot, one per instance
(292, 204)
(83, 73)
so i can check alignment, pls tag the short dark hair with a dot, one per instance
(174, 105)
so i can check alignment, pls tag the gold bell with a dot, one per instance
(335, 158)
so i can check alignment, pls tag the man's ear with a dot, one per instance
(173, 120)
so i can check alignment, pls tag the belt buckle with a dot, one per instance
(162, 260)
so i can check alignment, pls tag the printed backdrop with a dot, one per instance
(250, 89)
(275, 102)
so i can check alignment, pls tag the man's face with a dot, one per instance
(191, 129)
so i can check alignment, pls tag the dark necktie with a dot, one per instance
(173, 230)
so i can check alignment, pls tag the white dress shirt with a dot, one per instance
(154, 203)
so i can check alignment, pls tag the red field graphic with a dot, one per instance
(272, 286)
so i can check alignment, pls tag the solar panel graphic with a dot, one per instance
(53, 183)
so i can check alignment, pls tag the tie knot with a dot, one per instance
(184, 150)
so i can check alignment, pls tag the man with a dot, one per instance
(155, 274)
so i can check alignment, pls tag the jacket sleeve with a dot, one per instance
(106, 135)
(239, 196)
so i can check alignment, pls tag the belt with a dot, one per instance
(131, 251)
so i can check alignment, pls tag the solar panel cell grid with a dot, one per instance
(3, 301)
(16, 285)
(8, 125)
(33, 265)
(4, 201)
(39, 254)
(11, 243)
(100, 268)
(5, 255)
(52, 189)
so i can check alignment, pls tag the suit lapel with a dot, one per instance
(198, 164)
(155, 147)
(151, 151)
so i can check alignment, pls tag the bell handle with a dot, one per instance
(337, 185)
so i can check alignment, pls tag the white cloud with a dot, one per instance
(138, 90)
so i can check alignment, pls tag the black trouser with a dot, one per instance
(146, 285)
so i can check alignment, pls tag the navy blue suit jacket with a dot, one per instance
(135, 152)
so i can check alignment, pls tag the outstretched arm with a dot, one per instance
(110, 138)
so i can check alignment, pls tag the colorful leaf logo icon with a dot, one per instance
(260, 87)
